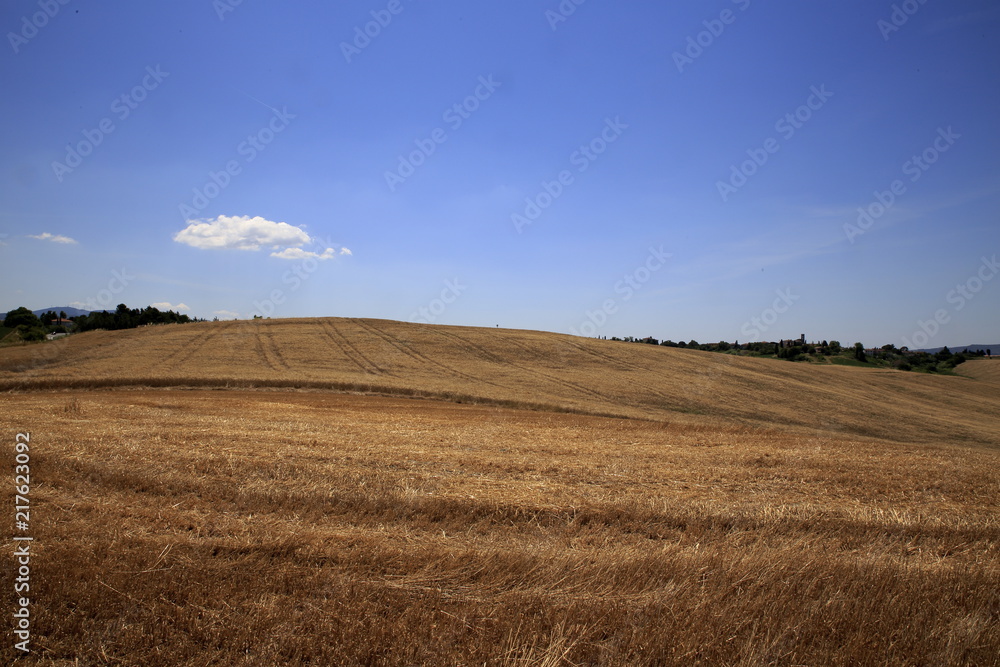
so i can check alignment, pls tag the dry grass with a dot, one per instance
(208, 527)
(518, 369)
(259, 528)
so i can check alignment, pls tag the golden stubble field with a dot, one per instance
(320, 525)
(516, 368)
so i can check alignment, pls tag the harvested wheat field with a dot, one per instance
(364, 492)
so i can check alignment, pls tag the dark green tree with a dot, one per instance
(21, 317)
(32, 333)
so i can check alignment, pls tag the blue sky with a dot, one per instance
(681, 170)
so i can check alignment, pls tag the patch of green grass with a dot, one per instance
(846, 361)
(8, 336)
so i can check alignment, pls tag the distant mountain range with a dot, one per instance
(69, 310)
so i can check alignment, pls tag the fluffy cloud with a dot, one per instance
(240, 233)
(166, 305)
(299, 253)
(55, 238)
(225, 313)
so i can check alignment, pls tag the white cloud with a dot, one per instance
(55, 238)
(166, 305)
(240, 233)
(299, 253)
(226, 313)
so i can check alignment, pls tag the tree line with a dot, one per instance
(31, 327)
(794, 350)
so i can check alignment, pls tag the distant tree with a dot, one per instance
(859, 352)
(21, 317)
(693, 344)
(791, 352)
(724, 346)
(127, 318)
(32, 333)
(943, 354)
(669, 343)
(62, 314)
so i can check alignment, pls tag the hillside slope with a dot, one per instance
(522, 368)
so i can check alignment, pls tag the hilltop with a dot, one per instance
(520, 369)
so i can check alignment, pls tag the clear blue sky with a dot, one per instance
(309, 129)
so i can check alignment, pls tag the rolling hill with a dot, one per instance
(367, 492)
(520, 369)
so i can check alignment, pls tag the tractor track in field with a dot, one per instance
(604, 357)
(494, 358)
(182, 355)
(267, 349)
(610, 359)
(276, 350)
(421, 357)
(365, 364)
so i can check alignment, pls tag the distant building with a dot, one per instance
(801, 340)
